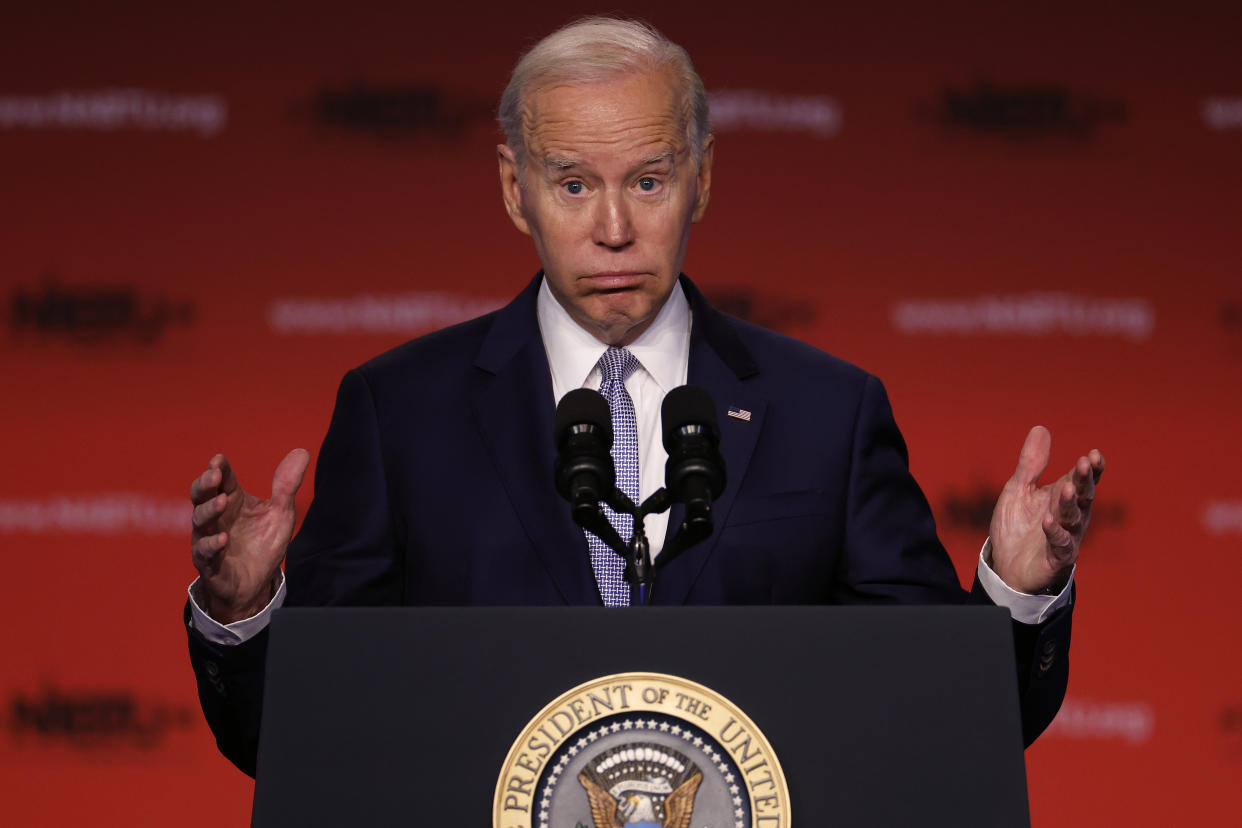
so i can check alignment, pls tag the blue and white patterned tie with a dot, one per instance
(616, 365)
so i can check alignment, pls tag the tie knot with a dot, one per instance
(617, 364)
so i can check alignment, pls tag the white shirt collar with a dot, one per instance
(663, 349)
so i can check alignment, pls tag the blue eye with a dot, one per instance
(574, 187)
(647, 184)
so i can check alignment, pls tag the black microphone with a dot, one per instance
(695, 472)
(584, 470)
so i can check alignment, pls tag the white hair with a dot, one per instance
(595, 50)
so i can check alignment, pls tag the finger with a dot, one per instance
(204, 550)
(1034, 457)
(204, 515)
(1097, 464)
(1084, 482)
(228, 480)
(1068, 513)
(288, 477)
(1060, 540)
(205, 486)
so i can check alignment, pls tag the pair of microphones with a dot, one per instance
(694, 474)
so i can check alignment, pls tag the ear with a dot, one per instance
(704, 177)
(511, 187)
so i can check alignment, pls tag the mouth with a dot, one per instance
(613, 280)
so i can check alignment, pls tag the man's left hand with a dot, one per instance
(1037, 531)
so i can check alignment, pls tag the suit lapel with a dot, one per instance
(721, 364)
(513, 406)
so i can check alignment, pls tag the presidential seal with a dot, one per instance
(645, 750)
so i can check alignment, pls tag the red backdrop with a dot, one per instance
(1013, 216)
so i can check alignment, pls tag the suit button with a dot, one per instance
(1048, 655)
(213, 669)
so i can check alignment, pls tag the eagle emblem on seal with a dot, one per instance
(641, 785)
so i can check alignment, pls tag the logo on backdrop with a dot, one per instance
(396, 111)
(1222, 114)
(970, 508)
(93, 719)
(1229, 725)
(96, 313)
(1026, 314)
(1229, 327)
(761, 307)
(1023, 112)
(1231, 316)
(735, 110)
(111, 110)
(1231, 324)
(647, 750)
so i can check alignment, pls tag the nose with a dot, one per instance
(613, 225)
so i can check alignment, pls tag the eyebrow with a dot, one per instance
(659, 158)
(558, 163)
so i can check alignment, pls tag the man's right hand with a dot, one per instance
(238, 541)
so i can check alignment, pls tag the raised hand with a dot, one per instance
(1038, 531)
(238, 541)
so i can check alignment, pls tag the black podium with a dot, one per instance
(880, 716)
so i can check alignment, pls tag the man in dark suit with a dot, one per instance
(434, 483)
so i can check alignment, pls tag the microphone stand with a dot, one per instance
(640, 571)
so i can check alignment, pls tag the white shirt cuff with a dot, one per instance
(1027, 609)
(239, 631)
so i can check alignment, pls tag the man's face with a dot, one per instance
(610, 192)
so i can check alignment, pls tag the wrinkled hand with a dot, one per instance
(238, 541)
(1038, 531)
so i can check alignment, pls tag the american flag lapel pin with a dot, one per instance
(739, 413)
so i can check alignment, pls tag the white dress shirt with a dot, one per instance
(663, 353)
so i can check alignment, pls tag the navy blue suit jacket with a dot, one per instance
(434, 485)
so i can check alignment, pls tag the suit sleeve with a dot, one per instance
(230, 691)
(344, 554)
(891, 551)
(1042, 655)
(887, 511)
